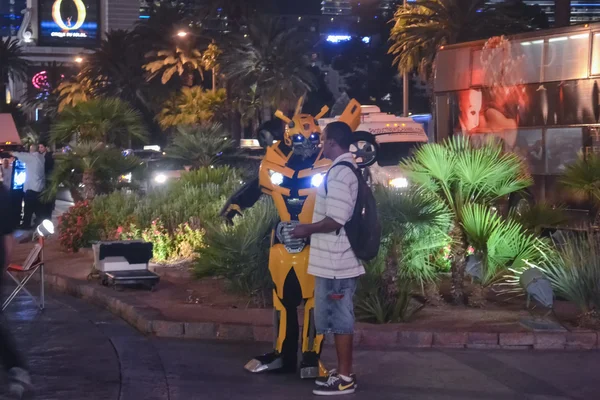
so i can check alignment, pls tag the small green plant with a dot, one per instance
(76, 228)
(240, 252)
(113, 210)
(499, 244)
(573, 269)
(541, 215)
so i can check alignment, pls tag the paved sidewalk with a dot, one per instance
(78, 351)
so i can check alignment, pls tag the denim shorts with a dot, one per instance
(334, 309)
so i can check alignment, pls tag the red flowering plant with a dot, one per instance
(76, 228)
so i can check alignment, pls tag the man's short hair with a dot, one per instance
(340, 133)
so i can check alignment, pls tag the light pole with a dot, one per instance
(405, 85)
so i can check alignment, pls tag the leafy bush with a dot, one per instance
(76, 228)
(373, 304)
(459, 174)
(113, 210)
(574, 272)
(168, 246)
(240, 252)
(196, 199)
(200, 145)
(541, 215)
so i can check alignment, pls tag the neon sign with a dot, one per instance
(57, 17)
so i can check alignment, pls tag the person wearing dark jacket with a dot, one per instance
(12, 360)
(48, 206)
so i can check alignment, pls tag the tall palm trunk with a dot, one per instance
(3, 86)
(459, 263)
(89, 184)
(188, 78)
(214, 80)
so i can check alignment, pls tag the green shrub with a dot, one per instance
(196, 199)
(76, 228)
(168, 246)
(112, 211)
(573, 269)
(240, 252)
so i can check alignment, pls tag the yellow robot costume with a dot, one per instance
(290, 173)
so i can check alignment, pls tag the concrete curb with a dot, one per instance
(149, 321)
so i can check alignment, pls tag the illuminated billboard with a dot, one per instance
(69, 23)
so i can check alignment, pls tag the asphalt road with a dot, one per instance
(78, 351)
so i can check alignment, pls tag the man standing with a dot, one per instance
(11, 359)
(34, 183)
(6, 171)
(48, 168)
(332, 260)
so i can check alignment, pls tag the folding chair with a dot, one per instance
(32, 265)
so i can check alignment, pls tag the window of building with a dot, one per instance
(596, 54)
(456, 77)
(562, 148)
(567, 57)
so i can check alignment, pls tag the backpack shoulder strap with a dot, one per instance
(341, 163)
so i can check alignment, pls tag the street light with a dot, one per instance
(182, 34)
(78, 60)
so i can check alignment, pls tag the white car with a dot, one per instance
(383, 140)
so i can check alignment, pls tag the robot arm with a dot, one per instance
(244, 198)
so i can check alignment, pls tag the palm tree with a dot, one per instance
(270, 58)
(183, 61)
(74, 91)
(415, 225)
(421, 28)
(459, 175)
(111, 121)
(116, 67)
(210, 61)
(192, 106)
(12, 66)
(582, 180)
(88, 169)
(199, 145)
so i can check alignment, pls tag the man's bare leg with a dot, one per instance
(343, 348)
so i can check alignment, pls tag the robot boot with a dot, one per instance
(284, 357)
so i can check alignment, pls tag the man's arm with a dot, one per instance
(326, 225)
(22, 156)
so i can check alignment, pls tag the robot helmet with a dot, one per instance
(302, 132)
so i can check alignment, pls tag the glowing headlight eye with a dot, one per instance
(317, 180)
(276, 178)
(160, 178)
(399, 183)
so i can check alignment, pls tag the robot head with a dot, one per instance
(302, 132)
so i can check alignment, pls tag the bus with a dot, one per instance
(538, 92)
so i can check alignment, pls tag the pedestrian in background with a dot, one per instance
(13, 361)
(48, 205)
(6, 172)
(34, 184)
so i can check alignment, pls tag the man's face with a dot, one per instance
(328, 144)
(470, 107)
(42, 149)
(33, 148)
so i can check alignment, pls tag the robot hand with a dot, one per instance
(229, 212)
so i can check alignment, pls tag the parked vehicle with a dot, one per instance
(383, 140)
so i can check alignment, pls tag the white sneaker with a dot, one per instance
(20, 382)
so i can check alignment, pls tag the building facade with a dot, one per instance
(11, 16)
(336, 7)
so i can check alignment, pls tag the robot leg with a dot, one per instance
(311, 366)
(284, 358)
